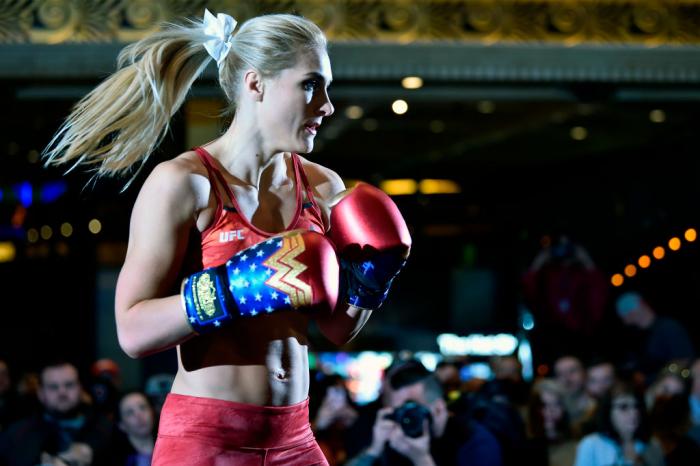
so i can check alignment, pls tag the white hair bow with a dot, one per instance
(220, 29)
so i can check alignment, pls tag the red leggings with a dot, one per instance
(211, 432)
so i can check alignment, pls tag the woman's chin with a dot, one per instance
(302, 144)
(304, 147)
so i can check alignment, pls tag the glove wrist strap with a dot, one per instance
(367, 283)
(365, 299)
(205, 299)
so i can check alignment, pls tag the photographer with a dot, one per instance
(416, 428)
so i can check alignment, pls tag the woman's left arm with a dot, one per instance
(346, 321)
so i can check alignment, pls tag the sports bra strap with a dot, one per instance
(300, 181)
(211, 170)
(305, 182)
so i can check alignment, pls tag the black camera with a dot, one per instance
(410, 416)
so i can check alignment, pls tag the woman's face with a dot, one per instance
(137, 415)
(295, 103)
(624, 415)
(552, 409)
(669, 385)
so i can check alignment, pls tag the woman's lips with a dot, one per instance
(311, 128)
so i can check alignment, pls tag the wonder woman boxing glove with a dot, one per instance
(372, 241)
(295, 270)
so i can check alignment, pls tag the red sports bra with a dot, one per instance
(231, 232)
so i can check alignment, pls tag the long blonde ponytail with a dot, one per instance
(120, 122)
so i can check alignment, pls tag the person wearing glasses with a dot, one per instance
(622, 437)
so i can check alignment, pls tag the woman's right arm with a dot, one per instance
(148, 320)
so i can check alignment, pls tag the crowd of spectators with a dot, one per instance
(578, 414)
(56, 416)
(576, 411)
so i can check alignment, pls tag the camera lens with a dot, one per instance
(410, 416)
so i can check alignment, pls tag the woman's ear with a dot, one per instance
(253, 85)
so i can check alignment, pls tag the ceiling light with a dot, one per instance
(432, 186)
(399, 106)
(95, 226)
(46, 232)
(66, 229)
(657, 116)
(399, 187)
(354, 112)
(578, 133)
(412, 82)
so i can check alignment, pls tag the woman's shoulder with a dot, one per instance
(186, 163)
(595, 440)
(318, 171)
(178, 178)
(324, 180)
(177, 169)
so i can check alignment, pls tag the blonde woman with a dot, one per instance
(548, 423)
(252, 227)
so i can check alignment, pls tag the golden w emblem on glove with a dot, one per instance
(287, 270)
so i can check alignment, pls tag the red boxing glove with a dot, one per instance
(373, 243)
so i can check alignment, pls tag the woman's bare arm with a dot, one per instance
(149, 318)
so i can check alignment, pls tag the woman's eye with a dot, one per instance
(311, 85)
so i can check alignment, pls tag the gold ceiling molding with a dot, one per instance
(564, 22)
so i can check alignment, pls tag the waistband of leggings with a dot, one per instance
(233, 424)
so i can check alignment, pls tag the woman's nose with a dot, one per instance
(326, 108)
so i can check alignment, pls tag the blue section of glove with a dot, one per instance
(366, 283)
(218, 295)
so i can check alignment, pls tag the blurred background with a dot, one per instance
(502, 129)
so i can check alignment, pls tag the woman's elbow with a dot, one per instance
(128, 339)
(130, 345)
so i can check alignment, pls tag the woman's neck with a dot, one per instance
(241, 152)
(142, 444)
(626, 439)
(551, 432)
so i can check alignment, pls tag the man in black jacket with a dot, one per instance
(65, 431)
